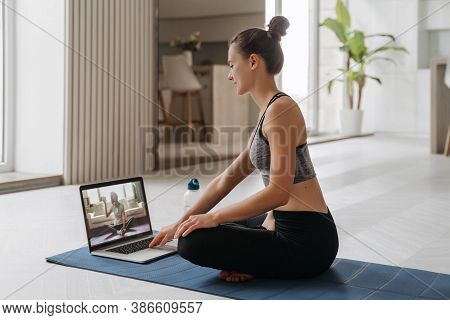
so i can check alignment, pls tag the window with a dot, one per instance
(6, 80)
(2, 91)
(299, 75)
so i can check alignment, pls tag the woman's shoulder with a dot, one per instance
(284, 110)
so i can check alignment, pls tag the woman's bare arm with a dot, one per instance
(107, 212)
(124, 218)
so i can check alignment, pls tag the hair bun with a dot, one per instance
(277, 27)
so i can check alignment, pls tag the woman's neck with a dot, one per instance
(263, 91)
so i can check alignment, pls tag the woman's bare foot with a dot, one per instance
(223, 275)
(231, 276)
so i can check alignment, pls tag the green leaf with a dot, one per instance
(381, 35)
(330, 85)
(374, 78)
(357, 46)
(353, 75)
(344, 48)
(381, 58)
(337, 27)
(350, 74)
(331, 82)
(345, 72)
(385, 48)
(342, 14)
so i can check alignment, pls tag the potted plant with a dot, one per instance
(357, 56)
(189, 45)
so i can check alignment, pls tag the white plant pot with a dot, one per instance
(351, 121)
(188, 56)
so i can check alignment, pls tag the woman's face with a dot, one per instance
(114, 198)
(240, 70)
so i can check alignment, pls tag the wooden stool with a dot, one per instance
(163, 108)
(447, 143)
(187, 105)
(182, 82)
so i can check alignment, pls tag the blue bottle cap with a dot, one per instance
(193, 184)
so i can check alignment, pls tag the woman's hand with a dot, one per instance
(195, 222)
(166, 234)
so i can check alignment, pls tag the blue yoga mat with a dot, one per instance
(346, 279)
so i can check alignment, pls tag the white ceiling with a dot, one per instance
(208, 8)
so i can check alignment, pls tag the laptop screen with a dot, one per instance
(115, 211)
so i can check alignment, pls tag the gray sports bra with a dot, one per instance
(260, 153)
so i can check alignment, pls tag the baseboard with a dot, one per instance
(335, 137)
(21, 181)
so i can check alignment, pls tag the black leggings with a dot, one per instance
(304, 244)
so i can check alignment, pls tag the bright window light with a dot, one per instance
(270, 11)
(296, 48)
(2, 104)
(295, 77)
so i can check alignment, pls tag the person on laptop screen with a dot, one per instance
(120, 216)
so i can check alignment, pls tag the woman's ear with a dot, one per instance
(254, 61)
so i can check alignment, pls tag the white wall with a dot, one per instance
(212, 29)
(402, 103)
(393, 106)
(39, 87)
(330, 59)
(207, 8)
(216, 20)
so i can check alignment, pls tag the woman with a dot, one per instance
(120, 216)
(298, 237)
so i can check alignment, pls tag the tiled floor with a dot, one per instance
(390, 198)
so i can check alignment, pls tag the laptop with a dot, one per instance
(118, 222)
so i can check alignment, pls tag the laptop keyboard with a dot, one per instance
(140, 245)
(131, 247)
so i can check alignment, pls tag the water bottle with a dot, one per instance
(192, 193)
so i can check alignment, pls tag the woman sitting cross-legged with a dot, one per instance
(296, 236)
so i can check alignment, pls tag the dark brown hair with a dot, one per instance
(264, 43)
